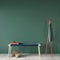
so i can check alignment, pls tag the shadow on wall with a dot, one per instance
(56, 37)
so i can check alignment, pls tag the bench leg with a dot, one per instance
(39, 49)
(9, 50)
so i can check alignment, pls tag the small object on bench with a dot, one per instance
(14, 42)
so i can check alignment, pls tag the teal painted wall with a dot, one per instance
(26, 21)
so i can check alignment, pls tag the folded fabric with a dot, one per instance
(14, 42)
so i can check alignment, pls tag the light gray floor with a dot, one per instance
(31, 57)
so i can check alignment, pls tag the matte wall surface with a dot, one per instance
(27, 21)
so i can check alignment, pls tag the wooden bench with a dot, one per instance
(23, 44)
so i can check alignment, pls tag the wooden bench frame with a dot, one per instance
(10, 47)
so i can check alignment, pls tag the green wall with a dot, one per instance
(26, 21)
